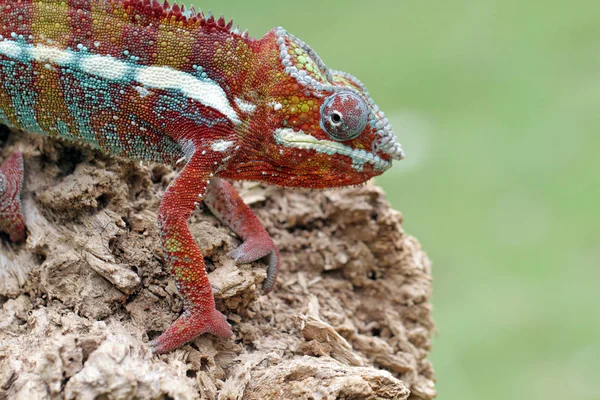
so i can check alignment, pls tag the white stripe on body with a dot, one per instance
(203, 90)
(206, 91)
(245, 106)
(106, 67)
(10, 49)
(221, 145)
(50, 54)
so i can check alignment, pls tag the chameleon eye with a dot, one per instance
(344, 115)
(336, 118)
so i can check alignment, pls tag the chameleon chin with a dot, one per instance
(162, 83)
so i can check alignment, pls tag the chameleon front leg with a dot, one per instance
(185, 259)
(227, 205)
(11, 181)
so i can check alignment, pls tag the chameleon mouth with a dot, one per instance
(300, 140)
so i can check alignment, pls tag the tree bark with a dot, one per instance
(349, 317)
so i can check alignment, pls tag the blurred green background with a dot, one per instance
(497, 106)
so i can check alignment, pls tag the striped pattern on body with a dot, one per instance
(116, 74)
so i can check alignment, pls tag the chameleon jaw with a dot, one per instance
(300, 140)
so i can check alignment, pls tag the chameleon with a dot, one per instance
(142, 80)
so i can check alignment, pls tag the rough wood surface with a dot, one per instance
(349, 318)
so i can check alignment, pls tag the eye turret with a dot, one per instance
(344, 115)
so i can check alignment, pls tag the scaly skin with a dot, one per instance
(154, 82)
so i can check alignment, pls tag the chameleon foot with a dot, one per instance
(227, 205)
(11, 181)
(256, 248)
(189, 325)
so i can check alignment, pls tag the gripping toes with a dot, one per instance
(189, 325)
(256, 248)
(227, 205)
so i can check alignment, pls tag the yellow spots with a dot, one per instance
(300, 111)
(43, 20)
(309, 67)
(106, 26)
(174, 49)
(50, 101)
(183, 276)
(173, 245)
(303, 61)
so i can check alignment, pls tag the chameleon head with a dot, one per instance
(325, 130)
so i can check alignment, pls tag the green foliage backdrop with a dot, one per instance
(496, 103)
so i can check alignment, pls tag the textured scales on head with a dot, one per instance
(303, 64)
(327, 130)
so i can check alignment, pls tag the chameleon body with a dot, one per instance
(149, 81)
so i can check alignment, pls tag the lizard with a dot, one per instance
(157, 82)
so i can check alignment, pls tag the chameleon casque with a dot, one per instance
(156, 82)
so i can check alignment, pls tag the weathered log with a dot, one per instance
(349, 318)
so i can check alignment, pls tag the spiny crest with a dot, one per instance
(154, 11)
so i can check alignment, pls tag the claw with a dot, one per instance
(252, 250)
(11, 181)
(228, 206)
(272, 271)
(189, 325)
(247, 252)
